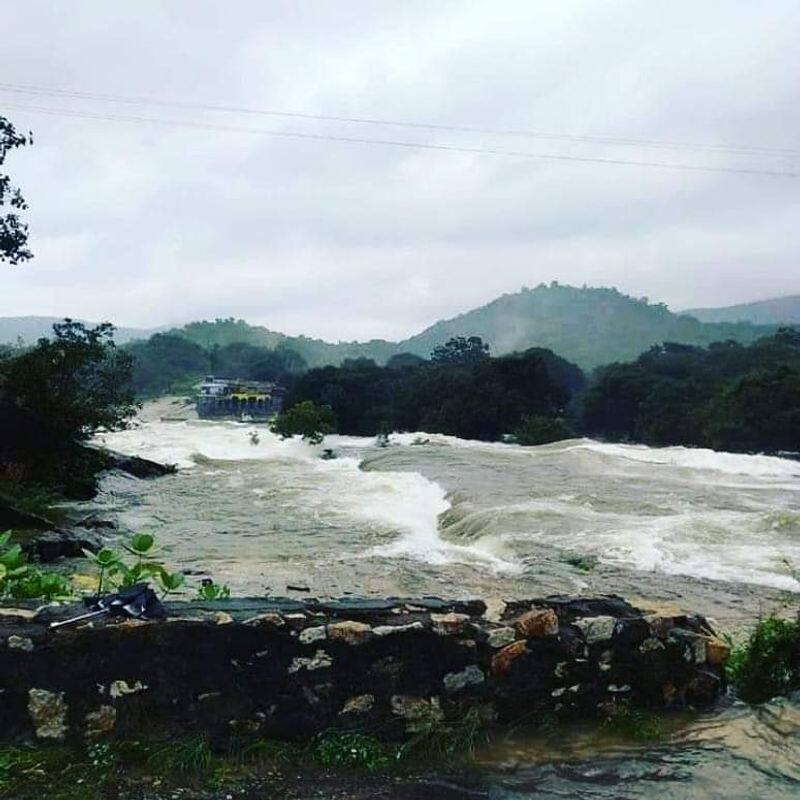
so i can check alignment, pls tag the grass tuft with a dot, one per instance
(633, 723)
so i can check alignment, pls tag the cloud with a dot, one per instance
(147, 224)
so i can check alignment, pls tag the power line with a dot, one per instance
(398, 143)
(585, 139)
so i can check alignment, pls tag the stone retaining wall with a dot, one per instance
(285, 668)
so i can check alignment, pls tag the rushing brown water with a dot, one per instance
(711, 532)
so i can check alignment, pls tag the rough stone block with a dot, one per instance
(537, 622)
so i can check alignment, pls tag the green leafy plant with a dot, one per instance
(106, 560)
(169, 581)
(22, 580)
(768, 663)
(213, 591)
(115, 571)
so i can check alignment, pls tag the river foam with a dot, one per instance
(492, 509)
(403, 502)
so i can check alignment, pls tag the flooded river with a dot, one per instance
(716, 533)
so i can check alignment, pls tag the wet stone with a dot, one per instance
(314, 634)
(122, 688)
(717, 651)
(100, 722)
(389, 630)
(48, 711)
(350, 631)
(502, 661)
(537, 622)
(360, 704)
(20, 643)
(651, 645)
(457, 681)
(321, 660)
(500, 637)
(596, 629)
(418, 712)
(451, 624)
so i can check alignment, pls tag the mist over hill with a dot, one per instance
(587, 326)
(775, 311)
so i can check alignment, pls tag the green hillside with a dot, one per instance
(316, 352)
(776, 311)
(588, 326)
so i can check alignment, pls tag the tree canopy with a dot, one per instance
(56, 395)
(169, 362)
(13, 231)
(727, 396)
(460, 350)
(481, 400)
(305, 419)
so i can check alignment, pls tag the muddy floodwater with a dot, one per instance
(716, 533)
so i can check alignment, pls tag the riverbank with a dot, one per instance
(354, 684)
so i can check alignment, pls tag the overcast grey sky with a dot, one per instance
(145, 224)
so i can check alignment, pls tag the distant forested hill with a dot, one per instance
(31, 329)
(777, 311)
(315, 352)
(587, 326)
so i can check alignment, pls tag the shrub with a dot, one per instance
(768, 663)
(536, 430)
(305, 419)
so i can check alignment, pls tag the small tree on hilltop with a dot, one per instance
(13, 232)
(305, 419)
(460, 350)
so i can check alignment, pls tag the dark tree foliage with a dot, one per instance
(13, 232)
(536, 430)
(727, 396)
(305, 419)
(169, 362)
(402, 360)
(56, 395)
(460, 350)
(247, 361)
(165, 362)
(482, 400)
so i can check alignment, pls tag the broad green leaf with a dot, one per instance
(142, 543)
